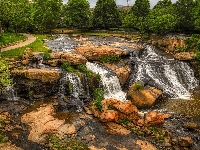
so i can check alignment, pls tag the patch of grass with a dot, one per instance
(109, 59)
(37, 46)
(30, 93)
(157, 132)
(98, 97)
(3, 138)
(57, 143)
(8, 38)
(138, 86)
(67, 67)
(124, 121)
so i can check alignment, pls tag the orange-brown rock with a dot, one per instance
(63, 57)
(185, 55)
(114, 128)
(45, 75)
(145, 145)
(144, 97)
(43, 123)
(154, 118)
(109, 115)
(92, 52)
(185, 141)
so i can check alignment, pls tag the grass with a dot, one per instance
(98, 97)
(57, 143)
(8, 38)
(109, 59)
(138, 86)
(37, 46)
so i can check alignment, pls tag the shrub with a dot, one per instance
(109, 59)
(98, 97)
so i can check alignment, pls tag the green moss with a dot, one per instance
(138, 86)
(57, 143)
(109, 59)
(124, 121)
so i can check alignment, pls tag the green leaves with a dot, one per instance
(106, 14)
(77, 13)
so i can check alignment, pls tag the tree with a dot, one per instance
(161, 20)
(141, 8)
(78, 13)
(183, 10)
(196, 14)
(47, 13)
(162, 4)
(106, 14)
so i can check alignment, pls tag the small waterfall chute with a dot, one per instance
(10, 93)
(110, 81)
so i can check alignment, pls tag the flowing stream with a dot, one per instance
(110, 81)
(175, 78)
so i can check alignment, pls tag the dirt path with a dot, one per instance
(30, 40)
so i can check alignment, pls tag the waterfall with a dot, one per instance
(110, 81)
(175, 78)
(75, 87)
(10, 93)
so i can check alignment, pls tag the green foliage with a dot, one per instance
(47, 56)
(124, 121)
(109, 59)
(184, 13)
(106, 14)
(196, 15)
(4, 76)
(157, 132)
(66, 66)
(98, 97)
(6, 38)
(30, 93)
(138, 86)
(66, 144)
(141, 8)
(37, 46)
(77, 13)
(47, 13)
(3, 138)
(162, 4)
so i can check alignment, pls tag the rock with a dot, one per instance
(144, 97)
(167, 142)
(94, 148)
(114, 128)
(190, 125)
(154, 118)
(185, 56)
(92, 52)
(145, 145)
(123, 73)
(185, 141)
(43, 123)
(45, 75)
(63, 57)
(8, 146)
(109, 115)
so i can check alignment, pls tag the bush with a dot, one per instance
(138, 86)
(98, 97)
(109, 59)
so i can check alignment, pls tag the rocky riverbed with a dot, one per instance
(45, 115)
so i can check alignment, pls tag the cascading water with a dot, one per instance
(73, 82)
(174, 78)
(111, 84)
(10, 93)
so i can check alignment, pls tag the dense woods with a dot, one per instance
(45, 15)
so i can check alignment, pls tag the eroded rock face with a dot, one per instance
(44, 75)
(144, 97)
(43, 123)
(145, 145)
(185, 56)
(92, 52)
(185, 141)
(154, 118)
(63, 57)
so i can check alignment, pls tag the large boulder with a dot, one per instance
(44, 75)
(63, 57)
(185, 56)
(43, 123)
(92, 52)
(144, 97)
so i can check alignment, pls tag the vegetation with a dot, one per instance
(106, 14)
(98, 97)
(4, 76)
(37, 46)
(109, 59)
(77, 13)
(66, 144)
(7, 38)
(138, 86)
